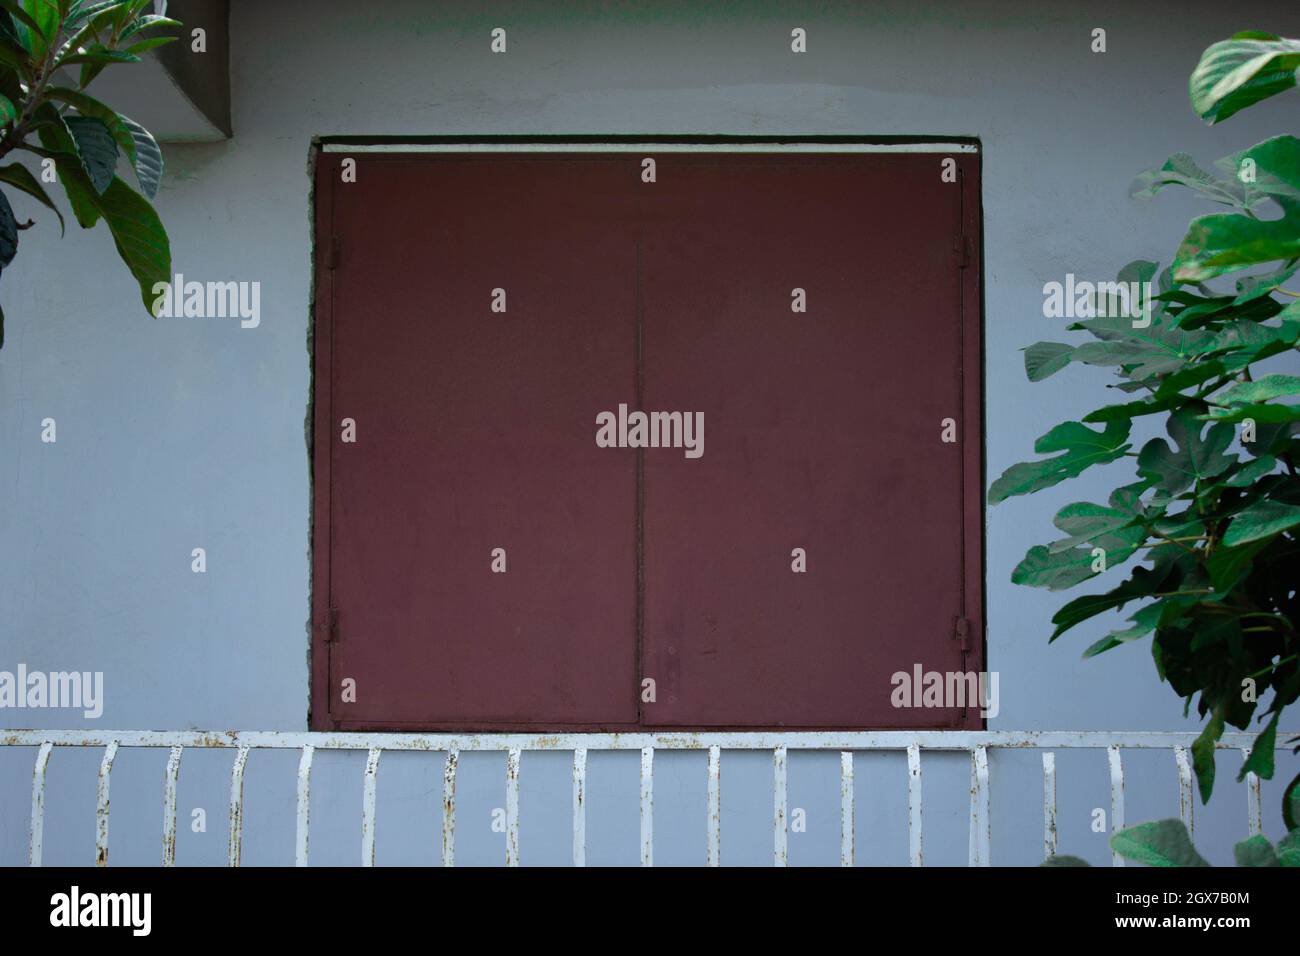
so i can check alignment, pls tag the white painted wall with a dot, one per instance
(174, 434)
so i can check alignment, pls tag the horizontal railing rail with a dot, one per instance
(912, 743)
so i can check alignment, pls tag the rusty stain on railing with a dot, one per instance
(101, 804)
(1116, 797)
(580, 806)
(169, 806)
(36, 845)
(236, 843)
(1186, 800)
(1049, 804)
(512, 806)
(449, 807)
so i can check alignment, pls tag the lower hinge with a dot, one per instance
(961, 633)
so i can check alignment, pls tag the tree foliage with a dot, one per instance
(50, 51)
(1214, 512)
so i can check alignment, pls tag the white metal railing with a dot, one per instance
(912, 743)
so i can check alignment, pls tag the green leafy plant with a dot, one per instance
(50, 51)
(1218, 529)
(1167, 843)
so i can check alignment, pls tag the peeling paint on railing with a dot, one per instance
(1049, 804)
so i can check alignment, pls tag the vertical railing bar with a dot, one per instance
(1116, 762)
(101, 804)
(979, 807)
(36, 841)
(713, 853)
(1254, 812)
(914, 831)
(368, 796)
(847, 808)
(580, 806)
(303, 829)
(449, 808)
(169, 806)
(1049, 804)
(647, 806)
(235, 843)
(512, 807)
(780, 824)
(1186, 801)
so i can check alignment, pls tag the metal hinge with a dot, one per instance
(961, 633)
(326, 626)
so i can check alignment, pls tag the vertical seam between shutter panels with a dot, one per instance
(639, 547)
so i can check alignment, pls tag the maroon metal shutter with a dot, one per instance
(476, 430)
(822, 433)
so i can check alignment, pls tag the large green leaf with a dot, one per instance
(1267, 413)
(1198, 374)
(47, 15)
(1276, 165)
(1180, 169)
(89, 106)
(1197, 457)
(1239, 344)
(1243, 70)
(148, 161)
(1203, 754)
(1143, 582)
(29, 30)
(62, 148)
(1130, 410)
(135, 141)
(1084, 521)
(1261, 520)
(1260, 761)
(1056, 570)
(96, 147)
(1046, 358)
(1141, 359)
(1253, 287)
(139, 235)
(1222, 243)
(137, 232)
(1261, 390)
(1081, 447)
(1144, 622)
(1159, 843)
